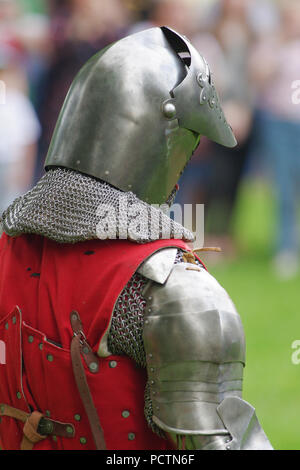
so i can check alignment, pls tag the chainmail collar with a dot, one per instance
(68, 207)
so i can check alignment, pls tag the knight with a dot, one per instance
(116, 335)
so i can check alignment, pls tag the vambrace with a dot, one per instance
(195, 354)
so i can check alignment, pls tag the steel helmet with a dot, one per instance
(135, 113)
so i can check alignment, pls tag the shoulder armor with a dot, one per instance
(195, 351)
(158, 266)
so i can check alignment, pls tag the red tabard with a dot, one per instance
(47, 281)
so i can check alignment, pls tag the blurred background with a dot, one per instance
(251, 193)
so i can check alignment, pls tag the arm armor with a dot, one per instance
(195, 352)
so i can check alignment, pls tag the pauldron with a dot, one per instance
(195, 354)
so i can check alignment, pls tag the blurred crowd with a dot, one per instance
(253, 48)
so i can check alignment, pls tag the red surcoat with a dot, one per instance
(47, 281)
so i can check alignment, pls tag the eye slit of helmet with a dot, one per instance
(178, 45)
(185, 57)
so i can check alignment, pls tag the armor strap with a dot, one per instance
(30, 430)
(78, 346)
(36, 426)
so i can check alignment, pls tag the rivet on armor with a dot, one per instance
(70, 430)
(93, 366)
(152, 369)
(149, 309)
(146, 322)
(78, 162)
(30, 339)
(74, 316)
(107, 172)
(6, 326)
(131, 436)
(228, 447)
(169, 110)
(41, 346)
(125, 414)
(150, 355)
(212, 103)
(113, 364)
(77, 417)
(14, 320)
(85, 350)
(54, 438)
(152, 382)
(47, 413)
(82, 440)
(200, 80)
(149, 298)
(50, 357)
(48, 427)
(19, 396)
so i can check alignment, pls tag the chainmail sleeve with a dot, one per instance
(125, 336)
(126, 330)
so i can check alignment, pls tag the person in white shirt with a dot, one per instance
(19, 129)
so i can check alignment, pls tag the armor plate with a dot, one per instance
(195, 354)
(195, 350)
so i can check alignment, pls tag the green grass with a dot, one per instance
(35, 6)
(270, 312)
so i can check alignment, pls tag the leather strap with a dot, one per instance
(31, 436)
(34, 424)
(6, 410)
(77, 345)
(86, 352)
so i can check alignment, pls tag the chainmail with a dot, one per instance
(126, 330)
(68, 207)
(125, 335)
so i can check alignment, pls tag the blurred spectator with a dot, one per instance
(263, 17)
(275, 65)
(181, 15)
(32, 31)
(19, 127)
(79, 29)
(177, 14)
